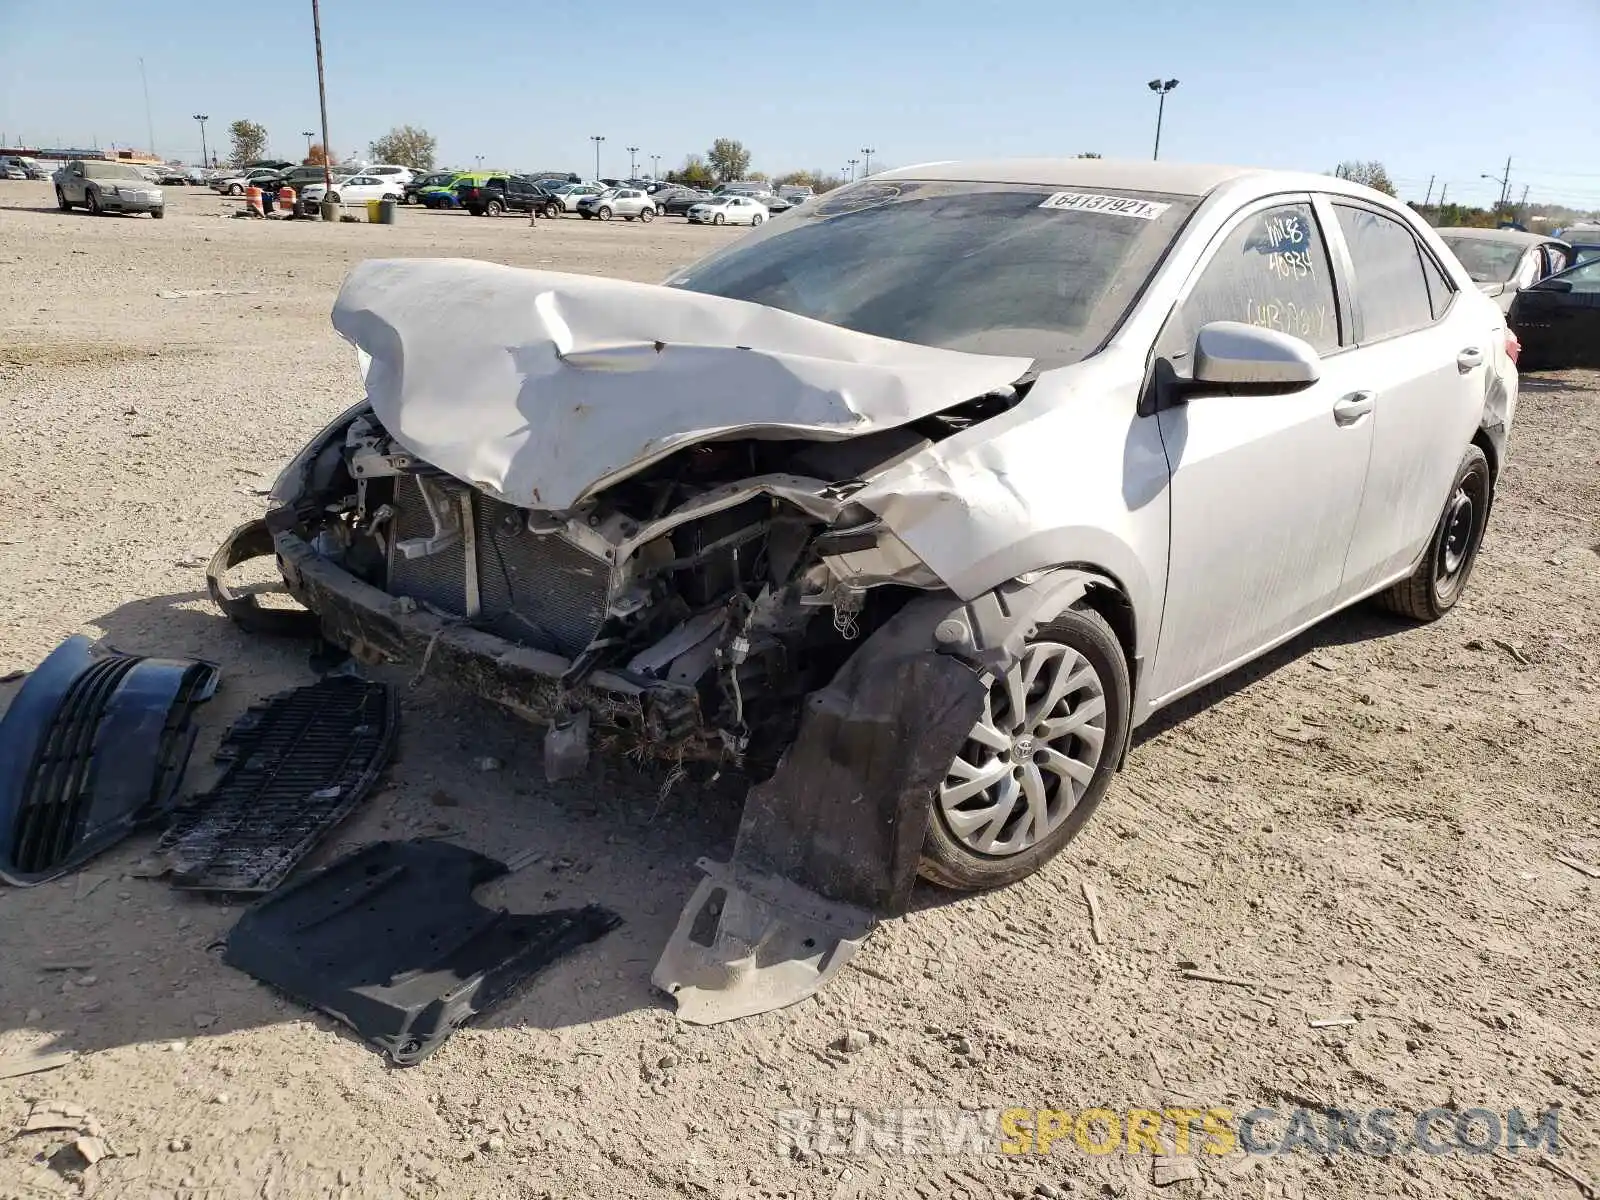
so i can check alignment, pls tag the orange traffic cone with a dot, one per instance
(286, 200)
(252, 200)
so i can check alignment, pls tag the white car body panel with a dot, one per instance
(577, 381)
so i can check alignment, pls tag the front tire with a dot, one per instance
(1441, 576)
(158, 213)
(62, 202)
(604, 213)
(333, 198)
(93, 197)
(493, 209)
(235, 190)
(1039, 759)
(719, 219)
(756, 220)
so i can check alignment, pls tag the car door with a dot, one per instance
(1423, 354)
(1558, 320)
(1265, 487)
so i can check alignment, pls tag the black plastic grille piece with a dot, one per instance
(299, 764)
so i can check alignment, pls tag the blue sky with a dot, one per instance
(1429, 87)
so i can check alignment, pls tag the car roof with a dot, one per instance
(1171, 178)
(1513, 237)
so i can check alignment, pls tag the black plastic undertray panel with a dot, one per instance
(390, 941)
(298, 765)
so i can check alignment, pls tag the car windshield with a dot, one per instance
(987, 268)
(1487, 261)
(110, 170)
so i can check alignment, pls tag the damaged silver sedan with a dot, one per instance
(912, 505)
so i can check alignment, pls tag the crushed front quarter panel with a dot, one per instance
(539, 388)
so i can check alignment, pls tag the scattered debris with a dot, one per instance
(852, 1041)
(1229, 980)
(12, 676)
(298, 765)
(93, 746)
(32, 1064)
(1512, 649)
(402, 913)
(204, 1020)
(1329, 1022)
(1323, 664)
(53, 1116)
(487, 762)
(1579, 866)
(249, 541)
(196, 293)
(1166, 1170)
(189, 560)
(179, 1144)
(1096, 929)
(65, 966)
(80, 1154)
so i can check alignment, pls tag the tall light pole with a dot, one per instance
(633, 161)
(866, 168)
(852, 164)
(149, 125)
(597, 138)
(322, 101)
(478, 158)
(1160, 88)
(205, 159)
(1505, 184)
(308, 134)
(655, 166)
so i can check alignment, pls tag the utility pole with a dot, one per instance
(1429, 196)
(1161, 89)
(308, 134)
(633, 161)
(866, 153)
(203, 118)
(1443, 192)
(1522, 204)
(1505, 184)
(149, 125)
(322, 101)
(596, 139)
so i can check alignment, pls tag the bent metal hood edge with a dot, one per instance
(539, 387)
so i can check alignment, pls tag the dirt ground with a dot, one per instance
(1365, 825)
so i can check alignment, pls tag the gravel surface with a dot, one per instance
(1363, 828)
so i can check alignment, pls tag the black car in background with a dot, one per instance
(1557, 320)
(507, 193)
(677, 201)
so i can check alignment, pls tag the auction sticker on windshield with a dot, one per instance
(1121, 206)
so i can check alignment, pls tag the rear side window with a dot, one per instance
(1440, 290)
(1391, 290)
(1271, 270)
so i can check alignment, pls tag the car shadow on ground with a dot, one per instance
(622, 835)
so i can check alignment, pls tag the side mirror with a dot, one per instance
(1231, 352)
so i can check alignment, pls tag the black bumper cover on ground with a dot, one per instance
(93, 745)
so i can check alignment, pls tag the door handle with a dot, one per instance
(1350, 409)
(1468, 359)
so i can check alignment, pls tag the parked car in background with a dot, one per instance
(627, 203)
(507, 193)
(571, 194)
(390, 173)
(10, 168)
(1504, 261)
(773, 203)
(795, 193)
(674, 201)
(353, 189)
(172, 176)
(1557, 319)
(108, 187)
(730, 208)
(302, 177)
(432, 179)
(1584, 238)
(237, 185)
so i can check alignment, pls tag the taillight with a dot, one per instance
(1513, 346)
(474, 193)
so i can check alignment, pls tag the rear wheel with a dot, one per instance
(493, 209)
(158, 213)
(235, 189)
(647, 215)
(333, 198)
(604, 213)
(553, 210)
(1441, 576)
(719, 219)
(1038, 761)
(756, 220)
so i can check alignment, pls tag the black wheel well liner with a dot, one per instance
(1112, 603)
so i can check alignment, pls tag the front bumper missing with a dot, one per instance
(826, 847)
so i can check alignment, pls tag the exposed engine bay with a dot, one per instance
(728, 580)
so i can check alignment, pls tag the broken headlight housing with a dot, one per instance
(291, 481)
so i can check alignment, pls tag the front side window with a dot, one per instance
(1271, 270)
(1585, 277)
(1390, 288)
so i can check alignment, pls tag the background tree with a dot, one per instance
(728, 160)
(1373, 174)
(406, 146)
(318, 157)
(249, 142)
(694, 173)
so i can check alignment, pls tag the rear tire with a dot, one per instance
(964, 848)
(756, 220)
(235, 190)
(647, 215)
(1441, 576)
(719, 219)
(604, 213)
(493, 209)
(158, 213)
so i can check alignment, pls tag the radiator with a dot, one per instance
(535, 588)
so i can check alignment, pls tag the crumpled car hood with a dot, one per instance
(539, 387)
